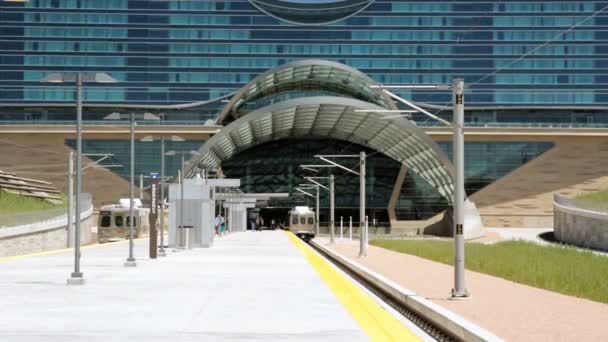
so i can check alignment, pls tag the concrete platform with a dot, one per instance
(250, 286)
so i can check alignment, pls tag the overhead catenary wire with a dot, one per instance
(445, 106)
(538, 47)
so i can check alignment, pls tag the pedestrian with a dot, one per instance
(222, 225)
(217, 223)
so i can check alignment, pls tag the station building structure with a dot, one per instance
(535, 112)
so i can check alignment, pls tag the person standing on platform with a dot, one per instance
(217, 223)
(222, 225)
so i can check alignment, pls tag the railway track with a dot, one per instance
(430, 328)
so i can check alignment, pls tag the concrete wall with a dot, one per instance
(580, 227)
(524, 197)
(49, 235)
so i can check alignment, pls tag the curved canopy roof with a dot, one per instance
(307, 74)
(311, 12)
(334, 117)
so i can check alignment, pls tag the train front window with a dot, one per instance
(302, 220)
(310, 220)
(294, 220)
(106, 221)
(134, 222)
(118, 221)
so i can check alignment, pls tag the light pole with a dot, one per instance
(130, 262)
(362, 157)
(457, 125)
(76, 278)
(161, 251)
(332, 232)
(331, 190)
(362, 241)
(180, 238)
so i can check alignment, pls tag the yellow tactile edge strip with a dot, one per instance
(377, 323)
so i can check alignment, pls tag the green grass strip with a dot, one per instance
(597, 197)
(561, 269)
(11, 204)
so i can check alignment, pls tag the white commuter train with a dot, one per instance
(302, 222)
(113, 223)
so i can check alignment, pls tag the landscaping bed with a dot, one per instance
(561, 269)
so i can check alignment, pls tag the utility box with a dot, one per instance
(193, 226)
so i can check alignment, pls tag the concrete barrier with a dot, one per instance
(45, 235)
(579, 226)
(451, 322)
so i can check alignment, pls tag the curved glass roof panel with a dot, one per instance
(306, 75)
(337, 118)
(311, 12)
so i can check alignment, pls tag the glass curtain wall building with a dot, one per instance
(175, 52)
(185, 51)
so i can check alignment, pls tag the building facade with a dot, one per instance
(165, 53)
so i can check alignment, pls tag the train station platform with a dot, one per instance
(253, 286)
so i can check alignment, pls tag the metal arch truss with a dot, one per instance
(336, 118)
(307, 74)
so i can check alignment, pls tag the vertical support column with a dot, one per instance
(362, 232)
(131, 260)
(366, 230)
(182, 234)
(141, 186)
(76, 277)
(317, 213)
(459, 289)
(331, 208)
(162, 252)
(70, 199)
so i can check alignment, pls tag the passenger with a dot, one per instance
(222, 225)
(217, 223)
(252, 223)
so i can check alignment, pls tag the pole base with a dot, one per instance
(465, 295)
(130, 263)
(162, 253)
(75, 281)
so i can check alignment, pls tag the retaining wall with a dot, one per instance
(581, 227)
(43, 236)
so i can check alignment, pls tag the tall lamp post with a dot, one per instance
(362, 158)
(130, 262)
(332, 195)
(179, 240)
(459, 290)
(150, 138)
(76, 278)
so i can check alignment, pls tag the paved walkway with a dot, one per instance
(513, 311)
(249, 286)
